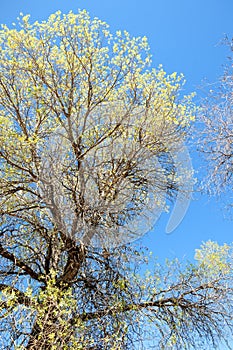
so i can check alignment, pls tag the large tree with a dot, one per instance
(89, 137)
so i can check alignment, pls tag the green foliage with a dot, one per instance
(214, 258)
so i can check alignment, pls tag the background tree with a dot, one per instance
(88, 138)
(217, 136)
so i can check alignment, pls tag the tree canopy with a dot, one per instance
(78, 101)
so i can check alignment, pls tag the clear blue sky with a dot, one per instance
(184, 36)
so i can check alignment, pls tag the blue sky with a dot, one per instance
(184, 36)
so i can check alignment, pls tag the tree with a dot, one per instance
(88, 140)
(217, 135)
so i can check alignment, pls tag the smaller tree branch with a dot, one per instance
(181, 301)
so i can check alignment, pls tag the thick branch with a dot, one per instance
(5, 254)
(76, 256)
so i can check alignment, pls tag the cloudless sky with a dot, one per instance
(185, 36)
